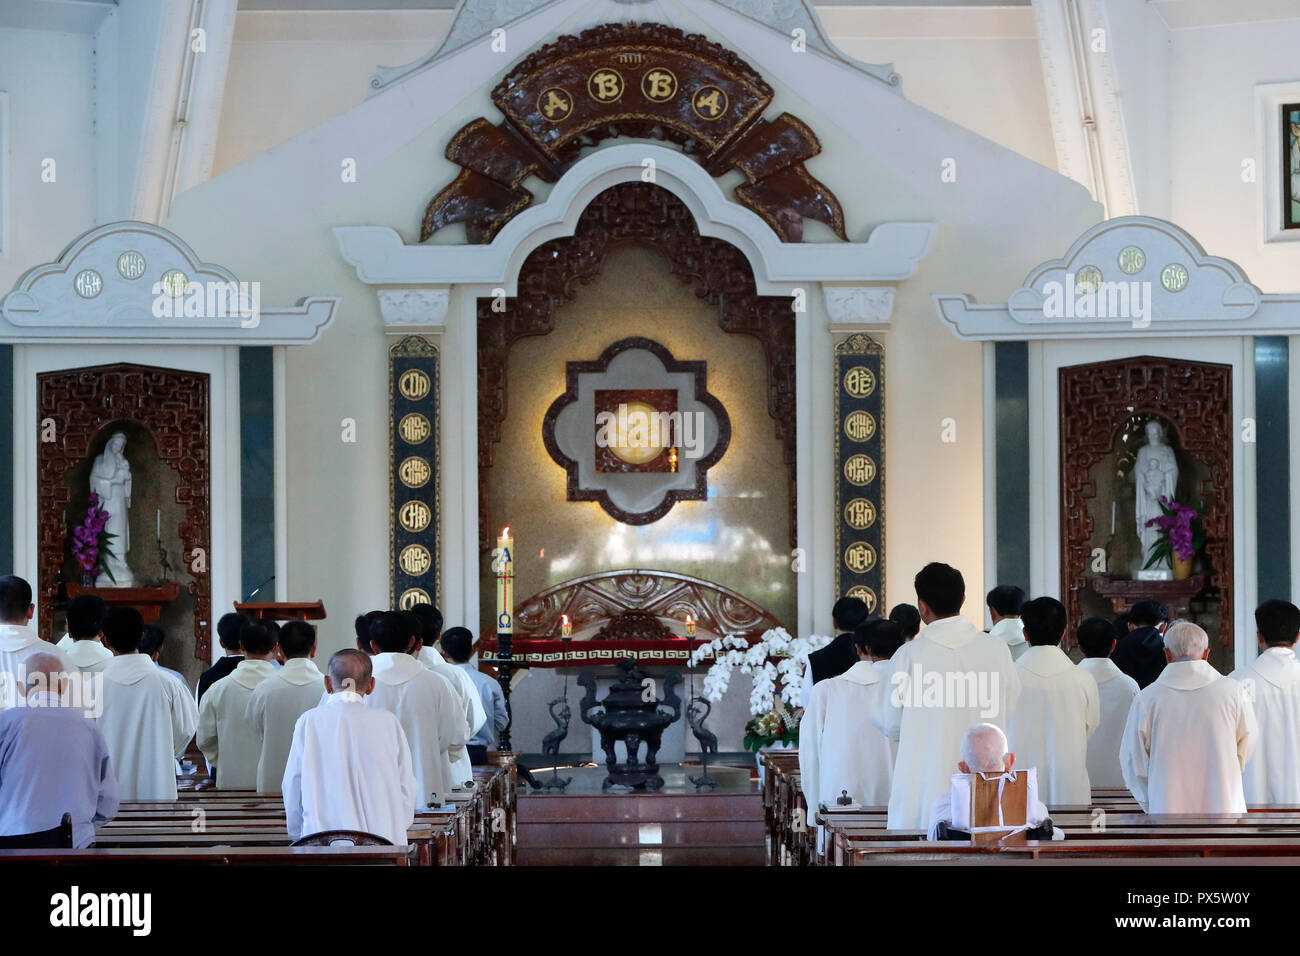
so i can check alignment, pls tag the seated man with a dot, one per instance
(85, 651)
(984, 750)
(53, 760)
(1004, 603)
(278, 702)
(225, 734)
(839, 750)
(1115, 691)
(1189, 734)
(349, 766)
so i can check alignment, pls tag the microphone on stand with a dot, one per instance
(253, 593)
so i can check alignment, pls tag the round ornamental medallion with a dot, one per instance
(860, 514)
(859, 557)
(415, 516)
(859, 381)
(415, 559)
(414, 472)
(865, 594)
(859, 425)
(860, 469)
(605, 86)
(411, 597)
(414, 428)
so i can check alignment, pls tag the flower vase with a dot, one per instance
(86, 578)
(1182, 569)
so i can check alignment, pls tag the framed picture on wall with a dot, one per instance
(1275, 167)
(1290, 179)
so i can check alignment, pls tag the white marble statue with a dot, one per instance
(1156, 475)
(110, 478)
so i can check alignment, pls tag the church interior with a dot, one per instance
(488, 433)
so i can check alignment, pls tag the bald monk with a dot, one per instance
(349, 765)
(1189, 733)
(53, 759)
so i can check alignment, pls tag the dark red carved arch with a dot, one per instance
(172, 405)
(1095, 401)
(537, 138)
(652, 216)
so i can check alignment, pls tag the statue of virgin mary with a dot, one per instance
(110, 478)
(1156, 476)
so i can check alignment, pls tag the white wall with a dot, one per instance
(1213, 127)
(48, 77)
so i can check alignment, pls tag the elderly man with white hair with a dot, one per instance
(1189, 734)
(984, 749)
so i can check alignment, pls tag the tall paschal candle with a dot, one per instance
(505, 583)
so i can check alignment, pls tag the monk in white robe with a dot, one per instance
(1004, 603)
(226, 735)
(1272, 685)
(18, 640)
(349, 765)
(1116, 691)
(471, 705)
(278, 702)
(425, 704)
(148, 717)
(1059, 708)
(839, 750)
(949, 678)
(1189, 733)
(85, 648)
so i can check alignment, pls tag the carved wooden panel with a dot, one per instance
(173, 406)
(1095, 401)
(598, 598)
(549, 277)
(643, 80)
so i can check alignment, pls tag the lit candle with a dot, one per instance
(505, 583)
(566, 626)
(690, 626)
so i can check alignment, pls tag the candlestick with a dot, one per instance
(690, 626)
(159, 524)
(1112, 519)
(566, 627)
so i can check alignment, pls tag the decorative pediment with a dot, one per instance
(643, 80)
(1128, 276)
(139, 283)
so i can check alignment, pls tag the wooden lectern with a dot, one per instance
(148, 601)
(283, 610)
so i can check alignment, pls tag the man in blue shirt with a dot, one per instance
(53, 760)
(458, 643)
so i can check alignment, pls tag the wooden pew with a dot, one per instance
(215, 856)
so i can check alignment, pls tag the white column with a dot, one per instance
(815, 468)
(280, 474)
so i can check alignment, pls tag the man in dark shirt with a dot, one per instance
(228, 630)
(839, 655)
(1141, 653)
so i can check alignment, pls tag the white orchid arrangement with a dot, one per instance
(776, 656)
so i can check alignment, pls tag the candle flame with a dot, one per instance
(564, 619)
(690, 619)
(505, 532)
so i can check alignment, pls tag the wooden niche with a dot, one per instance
(1103, 407)
(164, 414)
